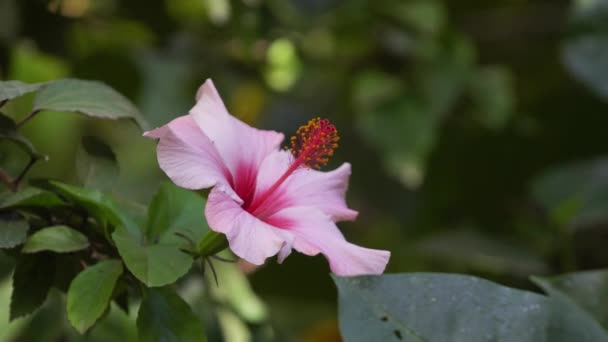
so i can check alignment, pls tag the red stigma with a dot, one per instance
(314, 143)
(312, 146)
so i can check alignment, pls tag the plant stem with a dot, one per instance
(17, 181)
(27, 118)
(211, 244)
(2, 103)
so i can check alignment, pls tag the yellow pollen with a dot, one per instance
(315, 142)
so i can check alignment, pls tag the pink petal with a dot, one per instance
(314, 232)
(324, 190)
(188, 157)
(272, 168)
(248, 237)
(242, 147)
(304, 187)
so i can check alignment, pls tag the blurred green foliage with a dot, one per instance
(476, 129)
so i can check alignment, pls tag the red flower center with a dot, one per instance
(314, 143)
(312, 146)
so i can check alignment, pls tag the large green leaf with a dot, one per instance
(155, 264)
(585, 47)
(12, 232)
(175, 222)
(29, 198)
(12, 89)
(90, 293)
(87, 97)
(60, 239)
(588, 290)
(98, 205)
(176, 210)
(164, 316)
(444, 307)
(32, 280)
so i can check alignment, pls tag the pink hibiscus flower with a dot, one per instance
(264, 199)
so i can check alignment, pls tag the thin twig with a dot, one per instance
(27, 118)
(17, 181)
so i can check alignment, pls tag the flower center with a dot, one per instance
(314, 143)
(312, 146)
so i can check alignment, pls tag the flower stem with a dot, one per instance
(211, 244)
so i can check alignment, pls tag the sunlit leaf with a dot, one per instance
(283, 66)
(164, 316)
(60, 239)
(90, 293)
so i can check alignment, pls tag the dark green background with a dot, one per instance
(449, 111)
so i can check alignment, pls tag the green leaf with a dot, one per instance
(60, 239)
(87, 97)
(32, 281)
(155, 264)
(164, 316)
(12, 89)
(98, 205)
(90, 293)
(8, 131)
(12, 232)
(29, 198)
(588, 290)
(585, 47)
(96, 164)
(175, 222)
(576, 193)
(446, 307)
(176, 210)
